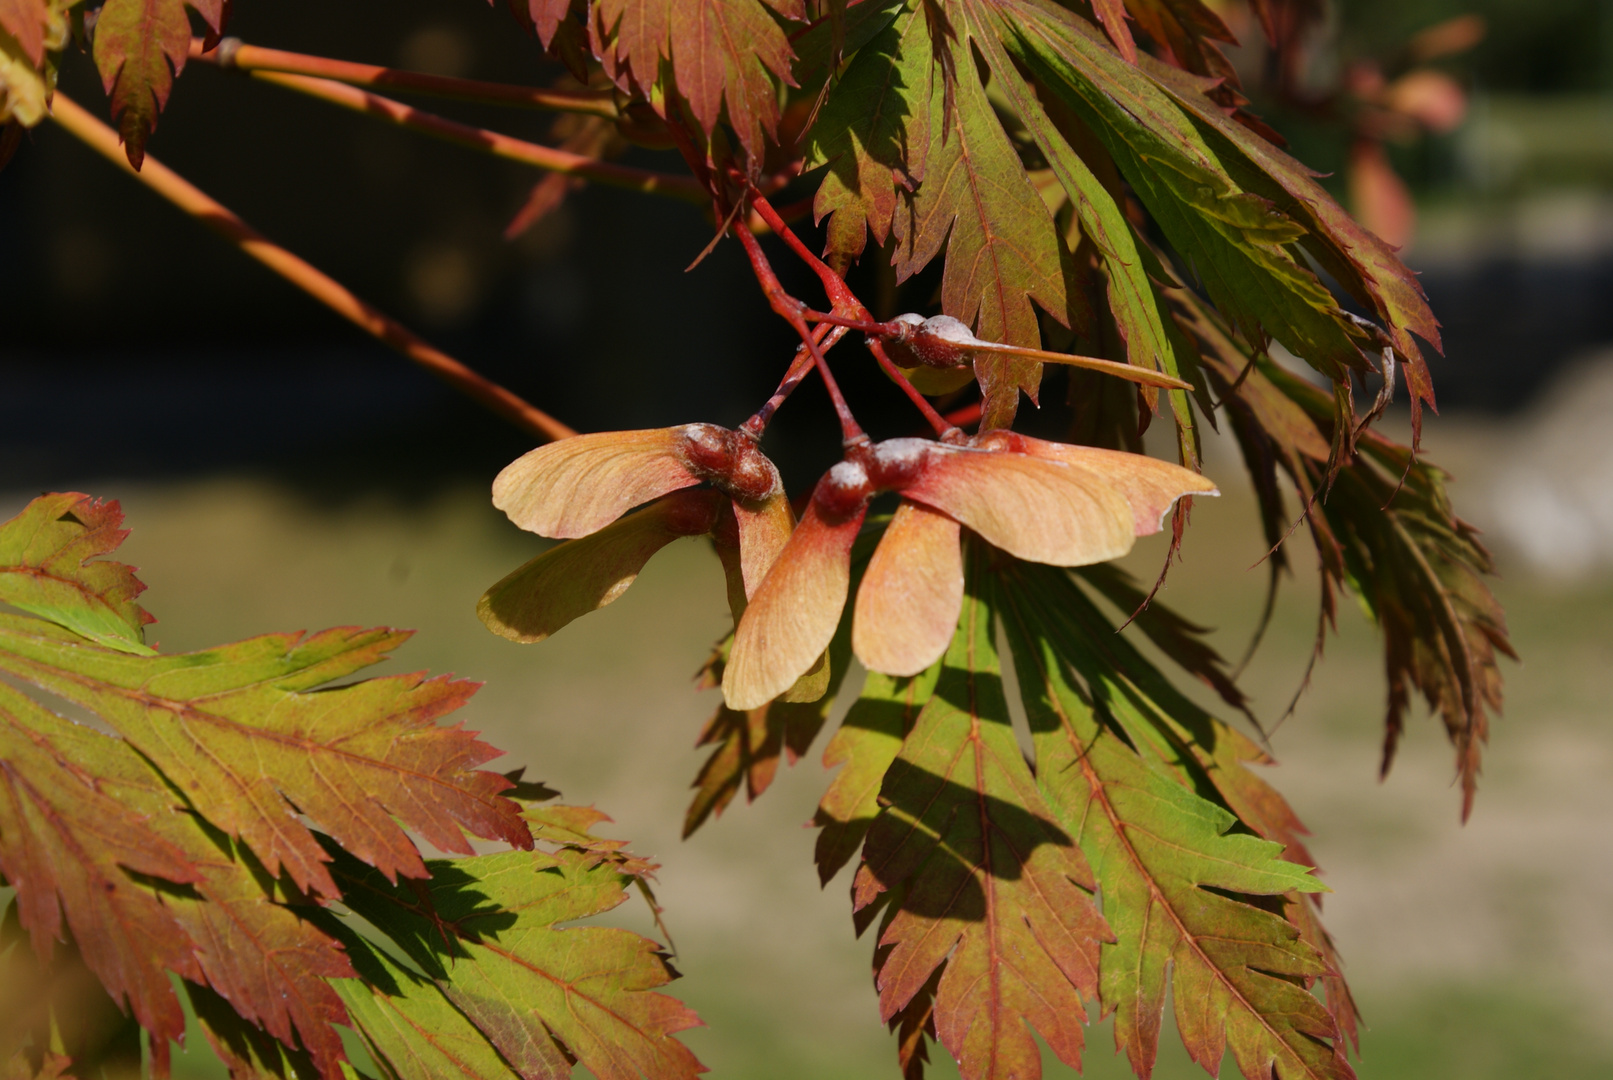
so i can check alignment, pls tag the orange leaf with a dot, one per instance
(910, 596)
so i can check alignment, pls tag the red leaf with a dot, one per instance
(65, 845)
(140, 46)
(720, 51)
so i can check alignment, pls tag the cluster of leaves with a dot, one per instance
(1086, 175)
(226, 821)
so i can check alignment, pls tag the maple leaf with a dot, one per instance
(1169, 870)
(748, 745)
(861, 133)
(1388, 533)
(866, 743)
(485, 931)
(46, 569)
(988, 884)
(719, 52)
(975, 197)
(66, 846)
(140, 48)
(239, 731)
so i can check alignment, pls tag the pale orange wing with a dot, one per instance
(792, 617)
(908, 603)
(579, 485)
(579, 576)
(1151, 486)
(1038, 509)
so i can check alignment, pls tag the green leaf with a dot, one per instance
(241, 731)
(487, 931)
(1235, 241)
(862, 134)
(986, 887)
(50, 567)
(1177, 885)
(866, 743)
(975, 198)
(407, 1023)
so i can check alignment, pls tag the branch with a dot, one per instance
(683, 188)
(179, 191)
(841, 296)
(233, 53)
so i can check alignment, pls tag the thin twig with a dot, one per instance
(683, 188)
(827, 338)
(789, 308)
(326, 290)
(841, 296)
(236, 54)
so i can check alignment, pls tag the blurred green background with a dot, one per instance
(281, 473)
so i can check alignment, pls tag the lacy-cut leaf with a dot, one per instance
(238, 731)
(65, 846)
(265, 961)
(868, 740)
(1388, 533)
(975, 197)
(1202, 752)
(1235, 241)
(408, 1024)
(747, 745)
(49, 566)
(862, 135)
(986, 883)
(1170, 872)
(486, 931)
(140, 46)
(720, 52)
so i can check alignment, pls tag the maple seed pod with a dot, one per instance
(843, 491)
(1033, 508)
(938, 342)
(793, 615)
(894, 463)
(729, 460)
(583, 575)
(577, 486)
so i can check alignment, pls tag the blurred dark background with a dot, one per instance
(137, 344)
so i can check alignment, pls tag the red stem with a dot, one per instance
(798, 369)
(789, 308)
(841, 296)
